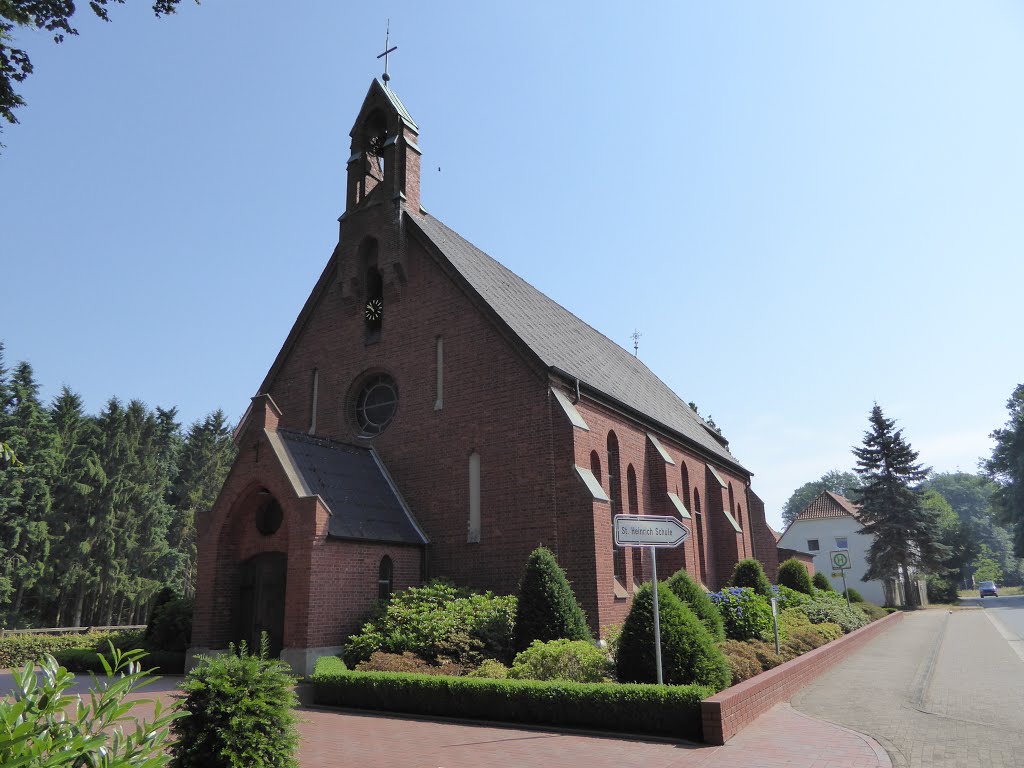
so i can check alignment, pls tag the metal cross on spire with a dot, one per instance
(636, 341)
(388, 48)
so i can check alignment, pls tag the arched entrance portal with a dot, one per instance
(260, 604)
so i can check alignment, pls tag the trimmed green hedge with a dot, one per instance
(88, 660)
(655, 709)
(21, 649)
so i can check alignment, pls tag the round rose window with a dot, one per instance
(376, 404)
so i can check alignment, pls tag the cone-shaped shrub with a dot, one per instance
(547, 608)
(854, 595)
(749, 573)
(688, 652)
(697, 600)
(793, 574)
(821, 581)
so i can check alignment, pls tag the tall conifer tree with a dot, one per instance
(906, 533)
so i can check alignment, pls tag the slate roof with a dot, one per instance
(563, 341)
(351, 480)
(828, 504)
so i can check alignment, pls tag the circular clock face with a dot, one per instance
(374, 308)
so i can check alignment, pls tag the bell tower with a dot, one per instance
(384, 164)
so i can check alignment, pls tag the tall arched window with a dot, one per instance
(699, 525)
(595, 465)
(373, 289)
(739, 516)
(732, 501)
(634, 509)
(385, 577)
(615, 504)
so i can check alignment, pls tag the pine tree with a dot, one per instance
(24, 528)
(205, 459)
(80, 478)
(905, 533)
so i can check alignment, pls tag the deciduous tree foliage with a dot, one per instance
(52, 16)
(906, 533)
(844, 483)
(99, 513)
(1006, 467)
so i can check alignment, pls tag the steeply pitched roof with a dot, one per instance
(350, 479)
(828, 504)
(564, 342)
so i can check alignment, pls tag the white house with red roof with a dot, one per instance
(831, 522)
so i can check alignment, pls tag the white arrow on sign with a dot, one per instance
(649, 531)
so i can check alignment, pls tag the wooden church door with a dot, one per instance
(260, 606)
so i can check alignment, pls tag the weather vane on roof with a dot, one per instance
(387, 50)
(635, 336)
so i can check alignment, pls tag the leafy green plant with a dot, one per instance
(747, 659)
(578, 661)
(800, 642)
(822, 582)
(793, 574)
(239, 709)
(42, 726)
(689, 653)
(870, 611)
(694, 596)
(491, 669)
(547, 608)
(670, 710)
(746, 614)
(831, 607)
(750, 573)
(440, 623)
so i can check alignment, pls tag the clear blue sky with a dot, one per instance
(804, 207)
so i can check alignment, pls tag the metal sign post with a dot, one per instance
(651, 531)
(775, 622)
(657, 614)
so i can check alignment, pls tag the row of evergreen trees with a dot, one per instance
(98, 512)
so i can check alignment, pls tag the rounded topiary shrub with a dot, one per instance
(749, 573)
(239, 713)
(689, 654)
(577, 661)
(822, 582)
(856, 597)
(696, 599)
(547, 608)
(793, 574)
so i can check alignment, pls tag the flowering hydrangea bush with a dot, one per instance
(747, 615)
(789, 598)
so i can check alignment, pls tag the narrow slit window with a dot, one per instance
(313, 397)
(385, 578)
(439, 401)
(474, 498)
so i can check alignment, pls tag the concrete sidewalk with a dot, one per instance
(940, 689)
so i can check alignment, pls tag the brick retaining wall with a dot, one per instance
(728, 712)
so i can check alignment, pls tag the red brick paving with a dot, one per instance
(782, 737)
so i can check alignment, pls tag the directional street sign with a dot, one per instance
(649, 531)
(841, 560)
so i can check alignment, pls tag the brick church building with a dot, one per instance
(431, 414)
